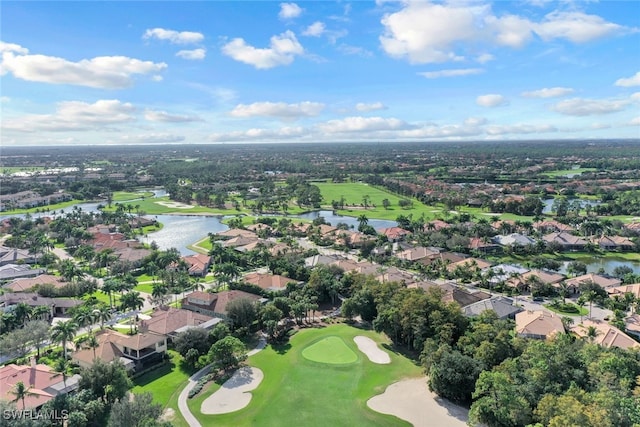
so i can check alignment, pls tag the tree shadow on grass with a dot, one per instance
(154, 374)
(281, 348)
(412, 355)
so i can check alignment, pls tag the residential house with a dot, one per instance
(417, 254)
(142, 349)
(514, 239)
(598, 279)
(482, 246)
(605, 335)
(462, 296)
(239, 242)
(538, 324)
(268, 281)
(502, 306)
(394, 234)
(436, 225)
(236, 232)
(17, 271)
(567, 241)
(393, 274)
(43, 383)
(632, 325)
(59, 307)
(215, 304)
(469, 263)
(633, 289)
(614, 243)
(171, 321)
(551, 226)
(28, 284)
(15, 256)
(320, 259)
(546, 277)
(198, 264)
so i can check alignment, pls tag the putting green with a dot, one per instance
(331, 350)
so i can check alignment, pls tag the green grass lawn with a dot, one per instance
(299, 391)
(564, 172)
(577, 311)
(54, 207)
(330, 350)
(165, 384)
(144, 287)
(125, 196)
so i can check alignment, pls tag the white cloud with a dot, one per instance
(150, 138)
(289, 10)
(451, 73)
(635, 121)
(4, 99)
(354, 50)
(156, 78)
(282, 50)
(280, 110)
(362, 124)
(589, 107)
(423, 32)
(74, 116)
(635, 96)
(519, 129)
(314, 30)
(257, 135)
(11, 47)
(194, 54)
(375, 106)
(577, 27)
(629, 81)
(510, 30)
(175, 37)
(485, 57)
(163, 116)
(105, 72)
(491, 100)
(552, 92)
(475, 121)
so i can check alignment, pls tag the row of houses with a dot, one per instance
(31, 199)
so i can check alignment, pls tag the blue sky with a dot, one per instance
(120, 72)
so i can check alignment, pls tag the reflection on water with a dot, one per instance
(180, 231)
(608, 264)
(333, 219)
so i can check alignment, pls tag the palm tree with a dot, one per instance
(64, 367)
(591, 333)
(89, 341)
(132, 300)
(63, 332)
(590, 297)
(109, 286)
(22, 312)
(69, 270)
(20, 391)
(102, 314)
(84, 317)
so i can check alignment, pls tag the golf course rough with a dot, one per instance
(331, 350)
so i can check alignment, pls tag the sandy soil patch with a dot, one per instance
(234, 394)
(491, 214)
(168, 415)
(371, 350)
(174, 205)
(411, 400)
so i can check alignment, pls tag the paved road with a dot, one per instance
(193, 380)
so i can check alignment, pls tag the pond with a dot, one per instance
(548, 203)
(608, 264)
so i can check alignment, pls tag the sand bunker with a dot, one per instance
(411, 400)
(174, 205)
(234, 394)
(371, 350)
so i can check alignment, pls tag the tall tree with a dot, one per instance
(64, 332)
